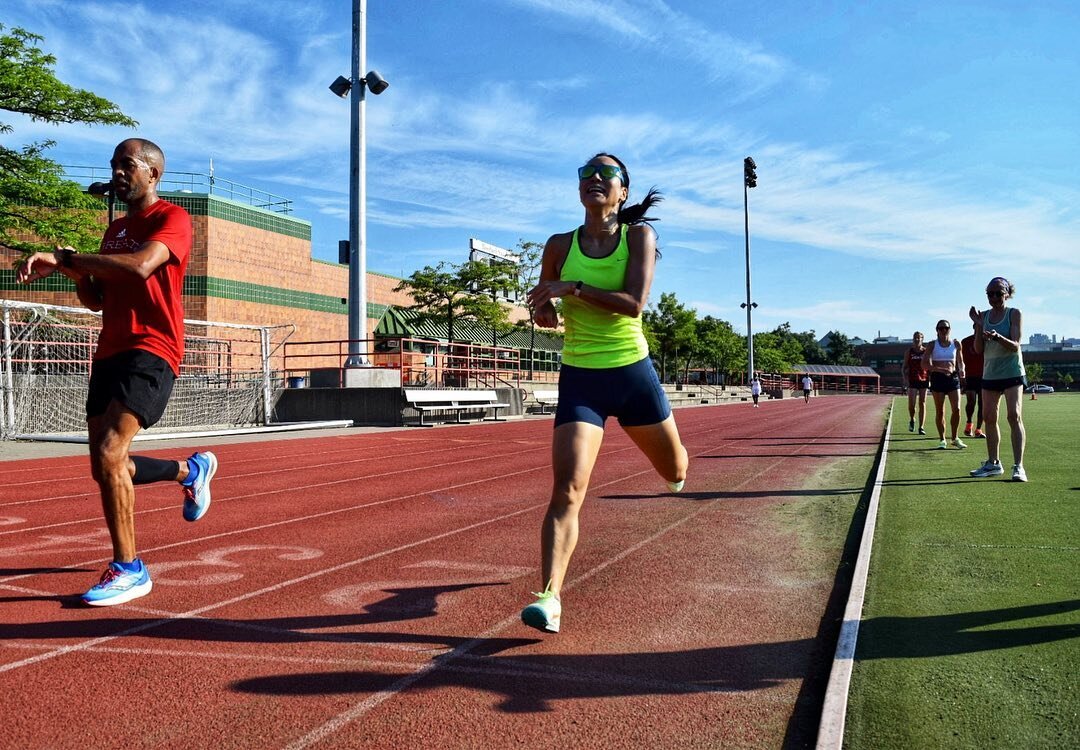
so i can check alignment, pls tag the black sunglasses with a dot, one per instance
(995, 293)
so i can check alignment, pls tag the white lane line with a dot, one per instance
(834, 710)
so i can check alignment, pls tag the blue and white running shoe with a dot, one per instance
(197, 494)
(118, 586)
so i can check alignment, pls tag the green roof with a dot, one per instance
(406, 323)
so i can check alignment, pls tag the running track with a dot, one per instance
(363, 591)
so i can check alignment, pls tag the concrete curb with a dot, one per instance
(834, 711)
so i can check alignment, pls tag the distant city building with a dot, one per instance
(825, 340)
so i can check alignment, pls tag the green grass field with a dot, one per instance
(971, 626)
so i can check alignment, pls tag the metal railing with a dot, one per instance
(193, 182)
(422, 363)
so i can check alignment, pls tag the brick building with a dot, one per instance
(248, 265)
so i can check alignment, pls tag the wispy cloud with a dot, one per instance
(656, 25)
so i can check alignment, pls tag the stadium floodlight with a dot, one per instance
(375, 82)
(356, 87)
(341, 86)
(749, 181)
(750, 172)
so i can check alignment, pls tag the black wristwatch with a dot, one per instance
(577, 288)
(65, 256)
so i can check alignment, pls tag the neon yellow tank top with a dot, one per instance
(597, 338)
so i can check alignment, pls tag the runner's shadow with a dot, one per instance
(533, 684)
(403, 604)
(536, 683)
(961, 633)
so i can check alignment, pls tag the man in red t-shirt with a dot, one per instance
(135, 281)
(916, 381)
(973, 363)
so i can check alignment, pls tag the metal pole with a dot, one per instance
(358, 192)
(749, 304)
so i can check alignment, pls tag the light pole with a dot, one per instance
(749, 181)
(356, 87)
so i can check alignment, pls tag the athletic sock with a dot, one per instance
(130, 567)
(193, 472)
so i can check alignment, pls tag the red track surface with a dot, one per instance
(364, 591)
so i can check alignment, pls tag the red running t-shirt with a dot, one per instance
(973, 360)
(148, 314)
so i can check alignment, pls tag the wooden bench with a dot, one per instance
(546, 399)
(430, 399)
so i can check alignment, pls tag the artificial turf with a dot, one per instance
(970, 636)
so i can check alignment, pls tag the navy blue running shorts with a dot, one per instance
(1004, 384)
(141, 381)
(632, 394)
(942, 383)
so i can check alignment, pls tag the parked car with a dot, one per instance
(1039, 388)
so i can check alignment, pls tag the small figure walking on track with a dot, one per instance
(135, 281)
(755, 390)
(807, 387)
(997, 335)
(602, 271)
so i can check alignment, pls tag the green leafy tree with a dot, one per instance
(772, 353)
(1034, 372)
(38, 208)
(530, 256)
(719, 347)
(841, 351)
(670, 331)
(450, 293)
(1066, 379)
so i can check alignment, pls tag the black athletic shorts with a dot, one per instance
(921, 385)
(631, 393)
(973, 384)
(1000, 386)
(942, 383)
(141, 381)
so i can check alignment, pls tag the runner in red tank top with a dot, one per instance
(916, 381)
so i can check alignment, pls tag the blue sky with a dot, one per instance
(907, 151)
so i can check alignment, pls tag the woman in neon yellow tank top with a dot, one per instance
(602, 271)
(997, 335)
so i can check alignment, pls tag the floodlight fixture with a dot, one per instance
(341, 86)
(376, 83)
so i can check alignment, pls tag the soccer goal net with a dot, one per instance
(227, 379)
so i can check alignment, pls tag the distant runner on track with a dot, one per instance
(916, 381)
(602, 271)
(135, 281)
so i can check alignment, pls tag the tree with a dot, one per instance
(1066, 379)
(670, 331)
(841, 351)
(530, 256)
(1034, 372)
(38, 208)
(448, 293)
(719, 346)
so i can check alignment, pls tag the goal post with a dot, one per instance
(228, 378)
